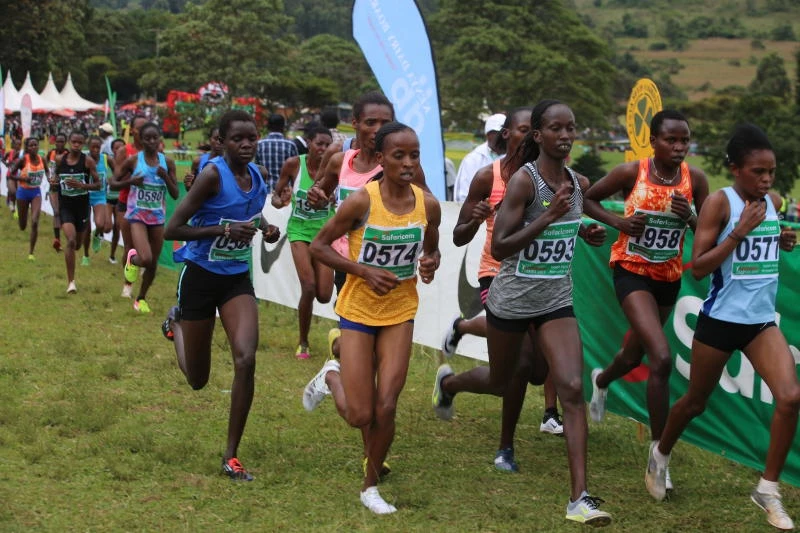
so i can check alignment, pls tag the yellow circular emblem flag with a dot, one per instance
(645, 101)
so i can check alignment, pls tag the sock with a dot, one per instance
(584, 493)
(661, 459)
(550, 411)
(767, 487)
(57, 233)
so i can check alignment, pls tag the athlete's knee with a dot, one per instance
(244, 359)
(787, 399)
(145, 259)
(72, 243)
(571, 391)
(660, 365)
(359, 417)
(385, 411)
(694, 406)
(308, 289)
(323, 298)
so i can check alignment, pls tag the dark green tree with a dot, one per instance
(771, 78)
(242, 43)
(499, 54)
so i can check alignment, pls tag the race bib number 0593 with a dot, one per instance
(549, 256)
(661, 239)
(393, 249)
(757, 255)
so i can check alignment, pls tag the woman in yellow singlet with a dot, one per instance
(393, 233)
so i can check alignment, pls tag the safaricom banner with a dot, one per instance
(736, 421)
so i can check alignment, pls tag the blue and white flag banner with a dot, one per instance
(394, 40)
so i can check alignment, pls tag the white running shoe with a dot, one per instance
(586, 511)
(597, 407)
(451, 338)
(373, 501)
(668, 481)
(655, 477)
(552, 424)
(442, 402)
(772, 505)
(127, 290)
(71, 288)
(317, 389)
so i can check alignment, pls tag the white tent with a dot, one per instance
(12, 96)
(51, 93)
(38, 103)
(72, 100)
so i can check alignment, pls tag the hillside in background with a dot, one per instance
(703, 46)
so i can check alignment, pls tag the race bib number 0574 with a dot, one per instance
(393, 249)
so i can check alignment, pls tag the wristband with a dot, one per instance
(227, 230)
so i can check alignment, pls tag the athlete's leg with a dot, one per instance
(707, 366)
(22, 213)
(155, 241)
(504, 349)
(36, 210)
(56, 221)
(113, 215)
(308, 288)
(514, 398)
(773, 361)
(561, 346)
(239, 317)
(393, 352)
(324, 280)
(71, 235)
(646, 336)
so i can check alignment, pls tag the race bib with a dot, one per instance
(343, 192)
(102, 176)
(549, 256)
(66, 190)
(757, 255)
(35, 177)
(392, 249)
(226, 249)
(661, 239)
(150, 197)
(303, 210)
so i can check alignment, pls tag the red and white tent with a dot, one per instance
(39, 104)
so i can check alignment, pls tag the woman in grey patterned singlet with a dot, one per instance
(534, 236)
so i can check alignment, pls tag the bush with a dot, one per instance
(756, 44)
(657, 47)
(783, 32)
(590, 164)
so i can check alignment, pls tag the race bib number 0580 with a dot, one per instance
(393, 249)
(757, 255)
(150, 197)
(549, 256)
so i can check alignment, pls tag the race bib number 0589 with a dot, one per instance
(550, 255)
(393, 249)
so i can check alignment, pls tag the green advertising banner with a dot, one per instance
(737, 419)
(165, 259)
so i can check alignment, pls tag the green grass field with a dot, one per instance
(99, 432)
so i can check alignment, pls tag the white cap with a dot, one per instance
(494, 123)
(106, 127)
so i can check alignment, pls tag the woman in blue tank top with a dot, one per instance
(150, 175)
(218, 218)
(737, 241)
(97, 201)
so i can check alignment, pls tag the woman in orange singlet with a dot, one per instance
(647, 258)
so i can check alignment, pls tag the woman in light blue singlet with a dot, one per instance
(737, 241)
(97, 201)
(150, 176)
